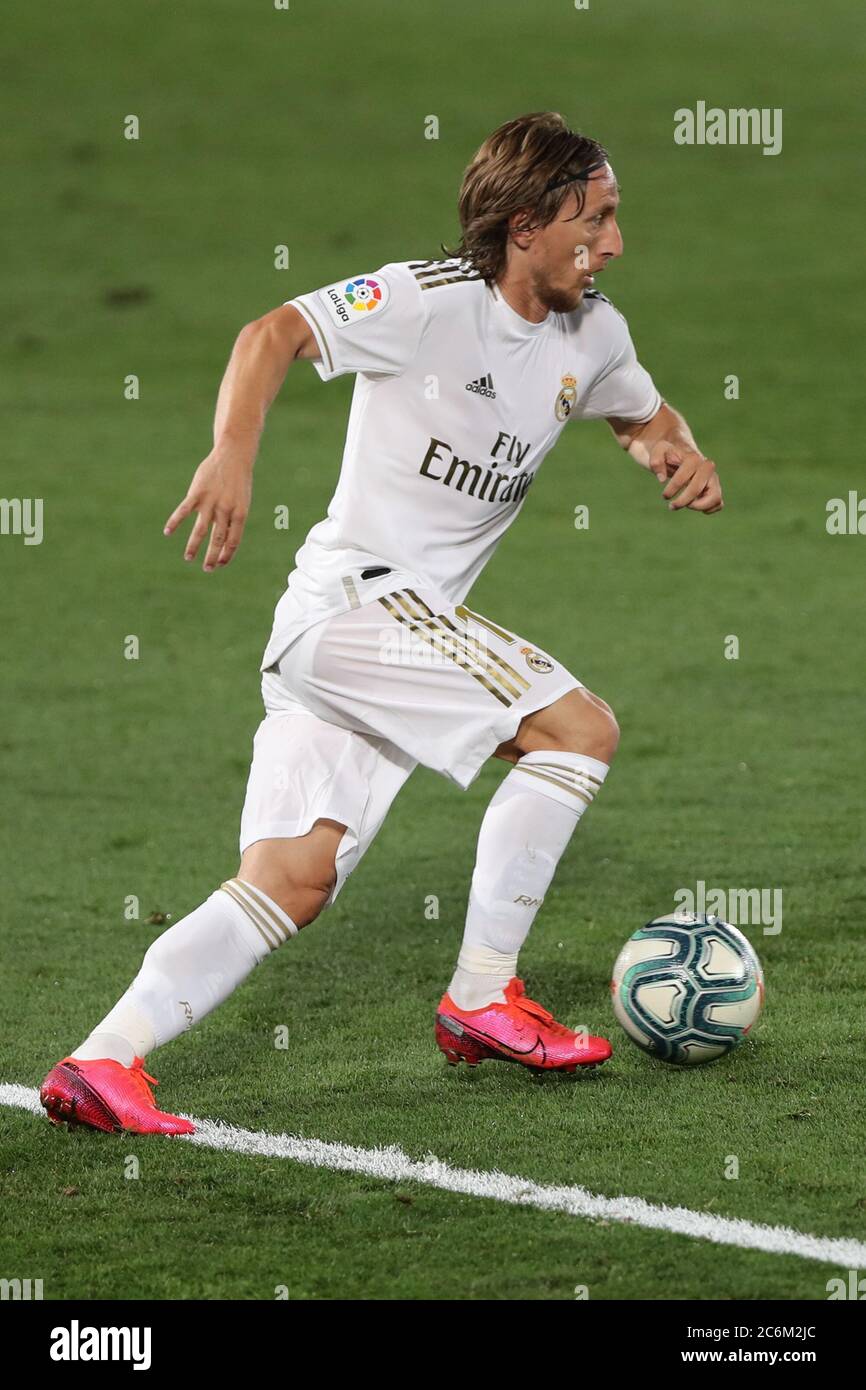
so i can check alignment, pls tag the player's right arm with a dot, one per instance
(221, 486)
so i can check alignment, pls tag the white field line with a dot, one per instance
(392, 1165)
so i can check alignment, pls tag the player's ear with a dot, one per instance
(521, 227)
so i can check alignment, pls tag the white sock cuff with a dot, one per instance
(570, 778)
(483, 960)
(273, 925)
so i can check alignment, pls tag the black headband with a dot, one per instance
(581, 174)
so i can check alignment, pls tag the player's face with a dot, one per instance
(568, 252)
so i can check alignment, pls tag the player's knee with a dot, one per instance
(303, 899)
(579, 722)
(298, 874)
(302, 896)
(601, 730)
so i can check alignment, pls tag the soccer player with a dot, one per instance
(467, 370)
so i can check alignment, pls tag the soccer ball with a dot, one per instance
(687, 989)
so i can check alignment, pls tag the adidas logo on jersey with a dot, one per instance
(482, 387)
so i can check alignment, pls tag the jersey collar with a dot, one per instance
(516, 323)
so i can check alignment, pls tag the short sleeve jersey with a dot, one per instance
(457, 400)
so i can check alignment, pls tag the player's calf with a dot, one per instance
(561, 757)
(186, 972)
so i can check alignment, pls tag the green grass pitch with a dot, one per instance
(305, 127)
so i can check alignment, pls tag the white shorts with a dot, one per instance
(359, 699)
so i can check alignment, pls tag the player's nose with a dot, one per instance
(613, 243)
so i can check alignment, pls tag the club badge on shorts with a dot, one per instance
(541, 665)
(566, 398)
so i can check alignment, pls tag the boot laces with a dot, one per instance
(540, 1014)
(142, 1077)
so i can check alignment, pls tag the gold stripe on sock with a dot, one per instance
(266, 907)
(257, 920)
(531, 772)
(575, 771)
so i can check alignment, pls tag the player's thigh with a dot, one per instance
(437, 680)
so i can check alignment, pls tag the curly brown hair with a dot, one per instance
(530, 162)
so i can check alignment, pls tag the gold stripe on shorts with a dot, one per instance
(499, 632)
(407, 607)
(431, 636)
(463, 612)
(465, 639)
(351, 591)
(464, 645)
(494, 656)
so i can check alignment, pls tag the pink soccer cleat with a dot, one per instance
(108, 1096)
(518, 1031)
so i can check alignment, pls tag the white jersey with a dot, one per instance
(457, 401)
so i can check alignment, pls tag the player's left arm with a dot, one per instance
(666, 446)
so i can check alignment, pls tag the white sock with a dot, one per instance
(525, 830)
(189, 970)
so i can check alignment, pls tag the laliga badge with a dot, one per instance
(353, 301)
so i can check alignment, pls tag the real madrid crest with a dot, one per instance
(566, 398)
(542, 665)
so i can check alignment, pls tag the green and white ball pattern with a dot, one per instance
(687, 989)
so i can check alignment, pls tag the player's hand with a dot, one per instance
(220, 492)
(690, 479)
